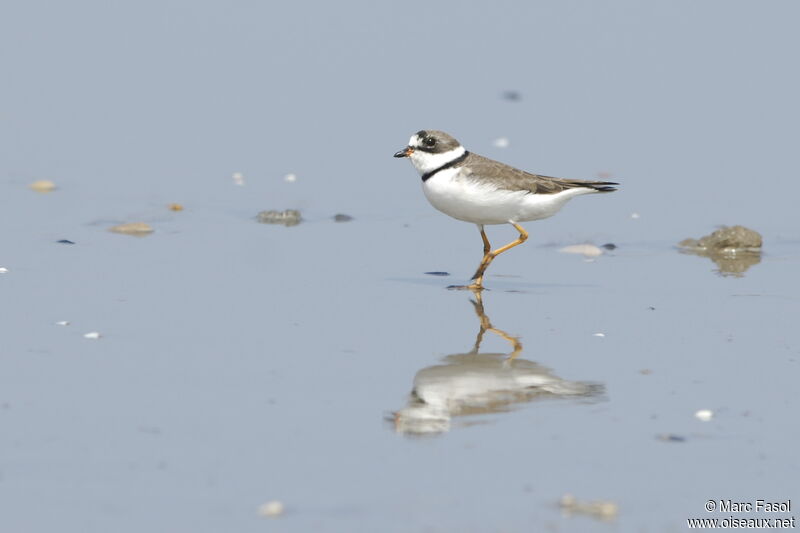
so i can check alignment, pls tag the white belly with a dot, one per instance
(470, 201)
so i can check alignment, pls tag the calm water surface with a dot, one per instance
(317, 364)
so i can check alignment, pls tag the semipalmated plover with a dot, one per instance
(477, 189)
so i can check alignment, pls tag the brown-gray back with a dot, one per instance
(507, 177)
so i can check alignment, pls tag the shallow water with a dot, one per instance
(241, 362)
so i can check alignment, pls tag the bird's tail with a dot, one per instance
(599, 186)
(604, 186)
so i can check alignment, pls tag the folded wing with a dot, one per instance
(506, 177)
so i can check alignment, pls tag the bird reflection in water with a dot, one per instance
(476, 383)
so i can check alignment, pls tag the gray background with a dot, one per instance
(242, 363)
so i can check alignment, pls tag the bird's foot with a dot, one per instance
(474, 287)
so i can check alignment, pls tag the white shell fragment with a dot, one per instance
(62, 323)
(598, 334)
(501, 142)
(290, 178)
(43, 186)
(238, 178)
(635, 215)
(600, 509)
(92, 335)
(586, 250)
(137, 229)
(271, 509)
(3, 270)
(704, 415)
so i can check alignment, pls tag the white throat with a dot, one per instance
(425, 162)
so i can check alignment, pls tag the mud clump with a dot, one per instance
(734, 249)
(733, 238)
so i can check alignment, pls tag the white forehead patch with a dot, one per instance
(413, 141)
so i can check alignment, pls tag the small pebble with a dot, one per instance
(175, 207)
(64, 241)
(341, 217)
(271, 509)
(93, 335)
(290, 178)
(501, 142)
(289, 217)
(43, 186)
(704, 415)
(62, 323)
(238, 178)
(138, 229)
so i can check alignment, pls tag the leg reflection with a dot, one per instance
(486, 325)
(480, 383)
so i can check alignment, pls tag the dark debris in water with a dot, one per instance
(671, 437)
(609, 246)
(341, 217)
(64, 241)
(512, 96)
(289, 217)
(437, 273)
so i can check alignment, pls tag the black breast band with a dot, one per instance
(457, 160)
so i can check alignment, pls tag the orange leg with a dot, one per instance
(486, 246)
(489, 255)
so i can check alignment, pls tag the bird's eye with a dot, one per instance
(430, 142)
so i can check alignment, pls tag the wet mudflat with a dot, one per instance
(182, 379)
(228, 374)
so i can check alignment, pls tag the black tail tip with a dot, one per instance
(605, 186)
